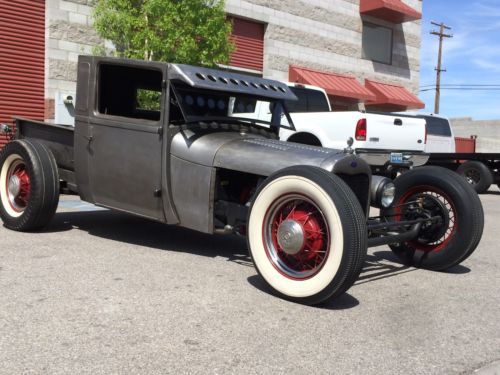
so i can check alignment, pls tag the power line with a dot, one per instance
(462, 85)
(441, 35)
(465, 89)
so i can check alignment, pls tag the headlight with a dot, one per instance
(388, 192)
(382, 192)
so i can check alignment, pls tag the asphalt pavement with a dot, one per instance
(101, 292)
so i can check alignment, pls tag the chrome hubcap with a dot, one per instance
(290, 237)
(14, 186)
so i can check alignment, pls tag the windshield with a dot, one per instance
(199, 105)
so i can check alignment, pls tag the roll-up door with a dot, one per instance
(248, 37)
(22, 55)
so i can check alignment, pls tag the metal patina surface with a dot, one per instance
(165, 168)
(213, 79)
(258, 155)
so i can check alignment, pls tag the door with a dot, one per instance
(125, 139)
(22, 59)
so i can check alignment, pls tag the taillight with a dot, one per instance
(425, 139)
(360, 134)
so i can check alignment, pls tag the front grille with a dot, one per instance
(360, 185)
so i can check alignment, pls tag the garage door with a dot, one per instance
(22, 54)
(248, 37)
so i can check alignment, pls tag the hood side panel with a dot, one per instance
(259, 155)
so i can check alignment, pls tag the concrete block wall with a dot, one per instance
(327, 35)
(319, 34)
(487, 132)
(68, 33)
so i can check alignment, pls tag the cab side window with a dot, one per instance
(309, 101)
(437, 126)
(129, 92)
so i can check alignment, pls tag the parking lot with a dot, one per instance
(104, 292)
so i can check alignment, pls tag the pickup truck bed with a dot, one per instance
(59, 139)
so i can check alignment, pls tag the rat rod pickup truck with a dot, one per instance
(161, 141)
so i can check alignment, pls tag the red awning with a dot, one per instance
(394, 95)
(394, 11)
(334, 84)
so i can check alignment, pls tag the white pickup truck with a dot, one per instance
(385, 141)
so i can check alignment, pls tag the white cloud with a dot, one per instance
(485, 9)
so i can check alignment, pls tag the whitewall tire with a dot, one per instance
(307, 234)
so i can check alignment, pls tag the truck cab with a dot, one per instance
(439, 137)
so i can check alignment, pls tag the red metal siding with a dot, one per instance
(338, 85)
(22, 60)
(394, 11)
(248, 38)
(393, 95)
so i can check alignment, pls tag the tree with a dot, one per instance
(181, 31)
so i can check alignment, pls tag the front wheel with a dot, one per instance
(307, 234)
(434, 192)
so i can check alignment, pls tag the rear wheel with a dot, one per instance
(307, 234)
(477, 175)
(29, 185)
(437, 192)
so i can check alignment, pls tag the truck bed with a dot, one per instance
(59, 139)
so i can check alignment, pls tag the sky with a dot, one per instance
(470, 57)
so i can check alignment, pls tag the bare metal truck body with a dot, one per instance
(167, 172)
(162, 141)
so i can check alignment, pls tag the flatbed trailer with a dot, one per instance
(480, 169)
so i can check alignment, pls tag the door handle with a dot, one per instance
(89, 139)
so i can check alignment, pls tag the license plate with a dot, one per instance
(396, 158)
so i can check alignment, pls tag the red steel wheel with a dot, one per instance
(296, 236)
(428, 201)
(18, 185)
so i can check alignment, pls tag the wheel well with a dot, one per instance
(233, 192)
(305, 138)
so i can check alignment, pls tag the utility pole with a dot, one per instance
(442, 35)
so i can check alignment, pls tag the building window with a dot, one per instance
(248, 39)
(377, 43)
